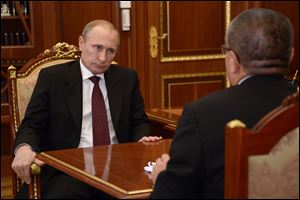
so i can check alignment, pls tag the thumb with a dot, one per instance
(38, 162)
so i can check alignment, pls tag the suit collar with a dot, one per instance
(115, 93)
(264, 78)
(73, 92)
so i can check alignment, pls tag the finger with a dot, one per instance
(39, 162)
(156, 138)
(144, 139)
(165, 157)
(27, 177)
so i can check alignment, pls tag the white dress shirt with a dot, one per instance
(86, 138)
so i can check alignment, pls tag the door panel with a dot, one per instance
(184, 40)
(198, 37)
(189, 63)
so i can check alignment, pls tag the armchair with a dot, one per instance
(263, 162)
(20, 87)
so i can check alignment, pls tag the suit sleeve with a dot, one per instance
(139, 119)
(184, 170)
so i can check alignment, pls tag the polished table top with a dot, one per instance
(115, 169)
(164, 120)
(164, 115)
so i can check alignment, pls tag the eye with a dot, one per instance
(98, 47)
(110, 51)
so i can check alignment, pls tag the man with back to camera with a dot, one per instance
(258, 51)
(59, 114)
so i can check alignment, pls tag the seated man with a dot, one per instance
(66, 104)
(258, 50)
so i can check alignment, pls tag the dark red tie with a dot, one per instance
(99, 116)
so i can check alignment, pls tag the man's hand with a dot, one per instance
(24, 157)
(150, 139)
(161, 165)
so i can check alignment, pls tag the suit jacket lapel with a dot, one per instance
(115, 94)
(73, 93)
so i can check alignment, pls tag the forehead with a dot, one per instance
(103, 36)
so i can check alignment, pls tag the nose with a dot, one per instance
(101, 56)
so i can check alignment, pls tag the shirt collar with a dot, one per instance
(87, 73)
(243, 79)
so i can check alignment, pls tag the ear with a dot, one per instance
(234, 63)
(80, 42)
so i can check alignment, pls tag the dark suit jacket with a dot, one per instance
(196, 167)
(54, 115)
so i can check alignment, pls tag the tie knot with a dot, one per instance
(95, 79)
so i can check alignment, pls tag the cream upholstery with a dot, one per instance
(276, 175)
(25, 85)
(263, 162)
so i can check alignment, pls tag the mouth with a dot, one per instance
(99, 65)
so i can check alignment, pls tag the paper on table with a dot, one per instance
(149, 167)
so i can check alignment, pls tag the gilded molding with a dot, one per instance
(228, 14)
(61, 50)
(236, 124)
(35, 169)
(161, 119)
(14, 103)
(191, 57)
(185, 83)
(64, 50)
(35, 188)
(192, 75)
(12, 72)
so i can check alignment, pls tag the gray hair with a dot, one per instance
(261, 38)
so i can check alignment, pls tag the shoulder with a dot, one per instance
(120, 72)
(120, 69)
(59, 68)
(215, 97)
(215, 101)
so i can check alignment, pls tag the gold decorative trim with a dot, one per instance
(35, 169)
(96, 178)
(173, 76)
(185, 83)
(61, 50)
(160, 118)
(227, 14)
(236, 124)
(12, 74)
(25, 74)
(35, 188)
(191, 57)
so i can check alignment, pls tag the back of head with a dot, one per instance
(262, 40)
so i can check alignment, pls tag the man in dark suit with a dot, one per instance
(258, 51)
(59, 114)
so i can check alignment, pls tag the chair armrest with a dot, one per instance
(34, 188)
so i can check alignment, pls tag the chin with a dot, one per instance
(100, 71)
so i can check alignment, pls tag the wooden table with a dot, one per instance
(164, 120)
(115, 169)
